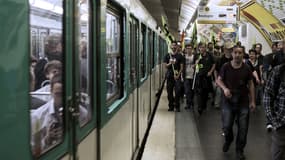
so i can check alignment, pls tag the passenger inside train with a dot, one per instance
(46, 121)
(98, 79)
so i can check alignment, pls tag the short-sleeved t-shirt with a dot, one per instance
(236, 80)
(179, 59)
(221, 62)
(206, 62)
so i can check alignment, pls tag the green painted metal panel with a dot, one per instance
(14, 67)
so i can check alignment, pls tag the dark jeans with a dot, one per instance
(176, 86)
(278, 144)
(204, 86)
(258, 94)
(241, 115)
(189, 92)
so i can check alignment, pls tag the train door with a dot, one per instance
(134, 48)
(61, 111)
(48, 114)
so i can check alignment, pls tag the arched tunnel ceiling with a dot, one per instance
(167, 8)
(175, 10)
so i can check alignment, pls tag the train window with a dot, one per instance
(134, 34)
(160, 48)
(153, 50)
(113, 54)
(142, 58)
(83, 48)
(150, 44)
(46, 85)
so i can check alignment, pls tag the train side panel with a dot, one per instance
(116, 135)
(14, 82)
(87, 148)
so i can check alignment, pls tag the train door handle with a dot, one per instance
(71, 109)
(73, 112)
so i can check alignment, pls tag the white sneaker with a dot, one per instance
(269, 127)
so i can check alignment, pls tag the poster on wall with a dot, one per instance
(216, 14)
(219, 33)
(269, 26)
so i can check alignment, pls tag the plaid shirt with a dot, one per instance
(274, 97)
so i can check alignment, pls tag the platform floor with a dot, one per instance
(187, 136)
(209, 129)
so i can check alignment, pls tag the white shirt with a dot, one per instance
(43, 117)
(40, 93)
(41, 120)
(189, 61)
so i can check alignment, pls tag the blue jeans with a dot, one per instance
(241, 115)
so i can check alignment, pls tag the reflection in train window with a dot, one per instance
(134, 47)
(113, 51)
(150, 47)
(142, 58)
(46, 75)
(83, 41)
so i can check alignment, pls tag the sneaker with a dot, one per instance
(269, 128)
(226, 146)
(240, 156)
(223, 134)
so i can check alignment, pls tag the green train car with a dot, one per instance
(79, 78)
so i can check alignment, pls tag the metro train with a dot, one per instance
(79, 79)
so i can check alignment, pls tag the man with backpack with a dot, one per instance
(274, 103)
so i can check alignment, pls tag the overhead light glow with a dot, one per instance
(46, 5)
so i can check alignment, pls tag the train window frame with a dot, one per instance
(53, 38)
(114, 11)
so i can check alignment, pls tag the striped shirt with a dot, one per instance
(274, 97)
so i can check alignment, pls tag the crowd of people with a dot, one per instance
(243, 80)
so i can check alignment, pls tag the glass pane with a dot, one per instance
(142, 53)
(112, 34)
(133, 52)
(150, 44)
(83, 25)
(46, 75)
(113, 81)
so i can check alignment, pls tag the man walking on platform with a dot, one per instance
(174, 65)
(203, 81)
(274, 103)
(188, 76)
(235, 80)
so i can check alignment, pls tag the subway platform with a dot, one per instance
(187, 136)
